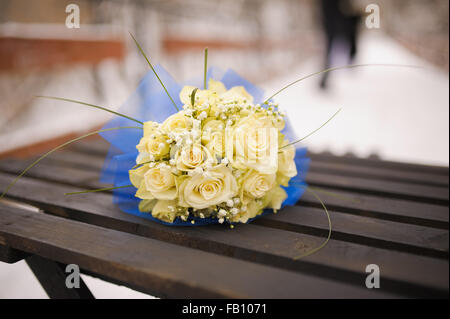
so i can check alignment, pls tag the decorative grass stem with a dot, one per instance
(308, 135)
(205, 69)
(61, 146)
(98, 190)
(156, 74)
(335, 69)
(91, 105)
(329, 226)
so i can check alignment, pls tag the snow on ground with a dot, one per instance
(401, 114)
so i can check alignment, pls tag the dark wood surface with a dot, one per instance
(390, 214)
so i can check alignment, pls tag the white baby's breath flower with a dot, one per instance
(202, 116)
(221, 220)
(222, 213)
(230, 203)
(197, 124)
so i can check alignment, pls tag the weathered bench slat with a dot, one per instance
(368, 162)
(389, 189)
(379, 173)
(418, 236)
(376, 206)
(160, 268)
(402, 190)
(385, 208)
(250, 242)
(364, 230)
(404, 237)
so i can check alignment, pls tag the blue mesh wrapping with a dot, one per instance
(151, 103)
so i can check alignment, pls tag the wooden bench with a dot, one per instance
(389, 214)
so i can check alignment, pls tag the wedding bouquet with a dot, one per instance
(217, 158)
(214, 155)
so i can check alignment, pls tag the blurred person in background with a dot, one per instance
(340, 26)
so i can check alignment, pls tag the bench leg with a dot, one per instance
(52, 277)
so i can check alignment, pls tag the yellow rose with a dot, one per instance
(286, 164)
(253, 143)
(137, 175)
(150, 128)
(176, 123)
(275, 198)
(216, 86)
(201, 96)
(155, 146)
(213, 137)
(156, 182)
(205, 190)
(185, 94)
(252, 209)
(237, 93)
(256, 185)
(165, 210)
(192, 156)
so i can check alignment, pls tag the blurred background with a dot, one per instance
(398, 114)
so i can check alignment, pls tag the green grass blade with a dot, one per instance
(205, 70)
(88, 104)
(61, 146)
(194, 91)
(329, 226)
(311, 133)
(98, 190)
(151, 67)
(335, 69)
